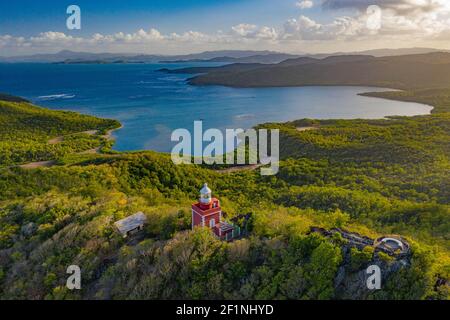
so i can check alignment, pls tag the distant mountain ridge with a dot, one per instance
(60, 56)
(225, 56)
(273, 57)
(379, 52)
(258, 58)
(67, 56)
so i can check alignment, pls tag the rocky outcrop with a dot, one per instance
(351, 278)
(352, 284)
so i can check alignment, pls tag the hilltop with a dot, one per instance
(25, 131)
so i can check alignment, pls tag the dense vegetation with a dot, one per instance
(439, 98)
(373, 177)
(25, 132)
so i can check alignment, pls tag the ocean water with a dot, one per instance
(151, 104)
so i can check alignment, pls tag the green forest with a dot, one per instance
(371, 177)
(26, 132)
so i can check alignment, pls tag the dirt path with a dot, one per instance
(60, 139)
(39, 164)
(91, 151)
(306, 128)
(56, 140)
(249, 167)
(51, 163)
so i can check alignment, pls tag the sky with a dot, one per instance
(187, 26)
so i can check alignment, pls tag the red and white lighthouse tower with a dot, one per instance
(206, 212)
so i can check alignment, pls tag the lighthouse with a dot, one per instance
(208, 213)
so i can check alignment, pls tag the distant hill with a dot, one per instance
(378, 52)
(61, 56)
(326, 60)
(226, 56)
(398, 52)
(271, 58)
(67, 56)
(402, 72)
(260, 58)
(234, 54)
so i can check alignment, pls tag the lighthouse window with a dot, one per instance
(212, 223)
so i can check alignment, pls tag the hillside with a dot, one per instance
(25, 132)
(431, 70)
(371, 177)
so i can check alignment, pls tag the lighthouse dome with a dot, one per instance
(205, 194)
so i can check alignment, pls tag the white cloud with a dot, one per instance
(400, 6)
(304, 28)
(251, 31)
(304, 4)
(415, 19)
(189, 36)
(51, 36)
(244, 29)
(266, 33)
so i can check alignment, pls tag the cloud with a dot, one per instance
(403, 7)
(244, 29)
(251, 31)
(139, 36)
(189, 36)
(8, 40)
(305, 28)
(304, 4)
(397, 18)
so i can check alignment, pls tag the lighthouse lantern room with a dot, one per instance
(208, 213)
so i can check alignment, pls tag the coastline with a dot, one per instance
(399, 95)
(108, 135)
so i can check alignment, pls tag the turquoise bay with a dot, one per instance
(151, 104)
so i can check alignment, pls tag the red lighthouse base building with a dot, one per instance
(208, 213)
